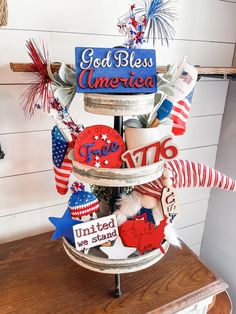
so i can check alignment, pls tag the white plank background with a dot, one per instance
(205, 33)
(199, 20)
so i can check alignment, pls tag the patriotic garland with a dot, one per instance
(133, 28)
(63, 118)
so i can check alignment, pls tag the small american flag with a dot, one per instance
(186, 77)
(180, 114)
(187, 174)
(61, 164)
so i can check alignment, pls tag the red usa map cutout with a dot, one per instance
(143, 235)
(100, 146)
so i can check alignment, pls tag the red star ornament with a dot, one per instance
(132, 7)
(134, 22)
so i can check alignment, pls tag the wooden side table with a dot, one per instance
(38, 277)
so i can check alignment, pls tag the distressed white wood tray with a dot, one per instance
(117, 177)
(118, 105)
(96, 262)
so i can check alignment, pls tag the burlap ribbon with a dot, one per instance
(3, 12)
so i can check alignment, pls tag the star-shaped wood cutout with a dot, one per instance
(118, 250)
(97, 164)
(64, 226)
(104, 137)
(134, 22)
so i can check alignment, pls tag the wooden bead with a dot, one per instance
(167, 182)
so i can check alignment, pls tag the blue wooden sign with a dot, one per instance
(115, 70)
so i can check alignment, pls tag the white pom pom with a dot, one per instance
(120, 217)
(128, 205)
(171, 236)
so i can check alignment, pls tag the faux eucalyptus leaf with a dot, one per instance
(64, 94)
(166, 90)
(57, 80)
(168, 76)
(158, 98)
(54, 75)
(133, 123)
(63, 85)
(67, 74)
(143, 120)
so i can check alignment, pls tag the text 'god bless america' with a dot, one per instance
(115, 70)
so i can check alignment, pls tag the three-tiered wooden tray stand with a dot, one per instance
(119, 106)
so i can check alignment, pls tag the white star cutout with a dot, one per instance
(97, 164)
(108, 142)
(96, 137)
(97, 157)
(106, 162)
(118, 250)
(104, 137)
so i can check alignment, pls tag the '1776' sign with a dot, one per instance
(115, 70)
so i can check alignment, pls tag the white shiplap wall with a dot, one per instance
(27, 189)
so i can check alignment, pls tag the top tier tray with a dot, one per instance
(118, 105)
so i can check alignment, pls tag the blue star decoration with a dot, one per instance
(64, 226)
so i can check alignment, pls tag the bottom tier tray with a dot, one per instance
(95, 262)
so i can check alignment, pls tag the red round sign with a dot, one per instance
(100, 146)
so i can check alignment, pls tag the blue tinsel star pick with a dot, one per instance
(64, 226)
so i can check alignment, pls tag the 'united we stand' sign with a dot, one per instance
(115, 70)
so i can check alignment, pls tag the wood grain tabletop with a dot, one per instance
(36, 276)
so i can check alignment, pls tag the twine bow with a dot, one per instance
(3, 13)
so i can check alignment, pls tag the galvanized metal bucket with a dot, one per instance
(138, 137)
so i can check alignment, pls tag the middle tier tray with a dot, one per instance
(117, 177)
(118, 105)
